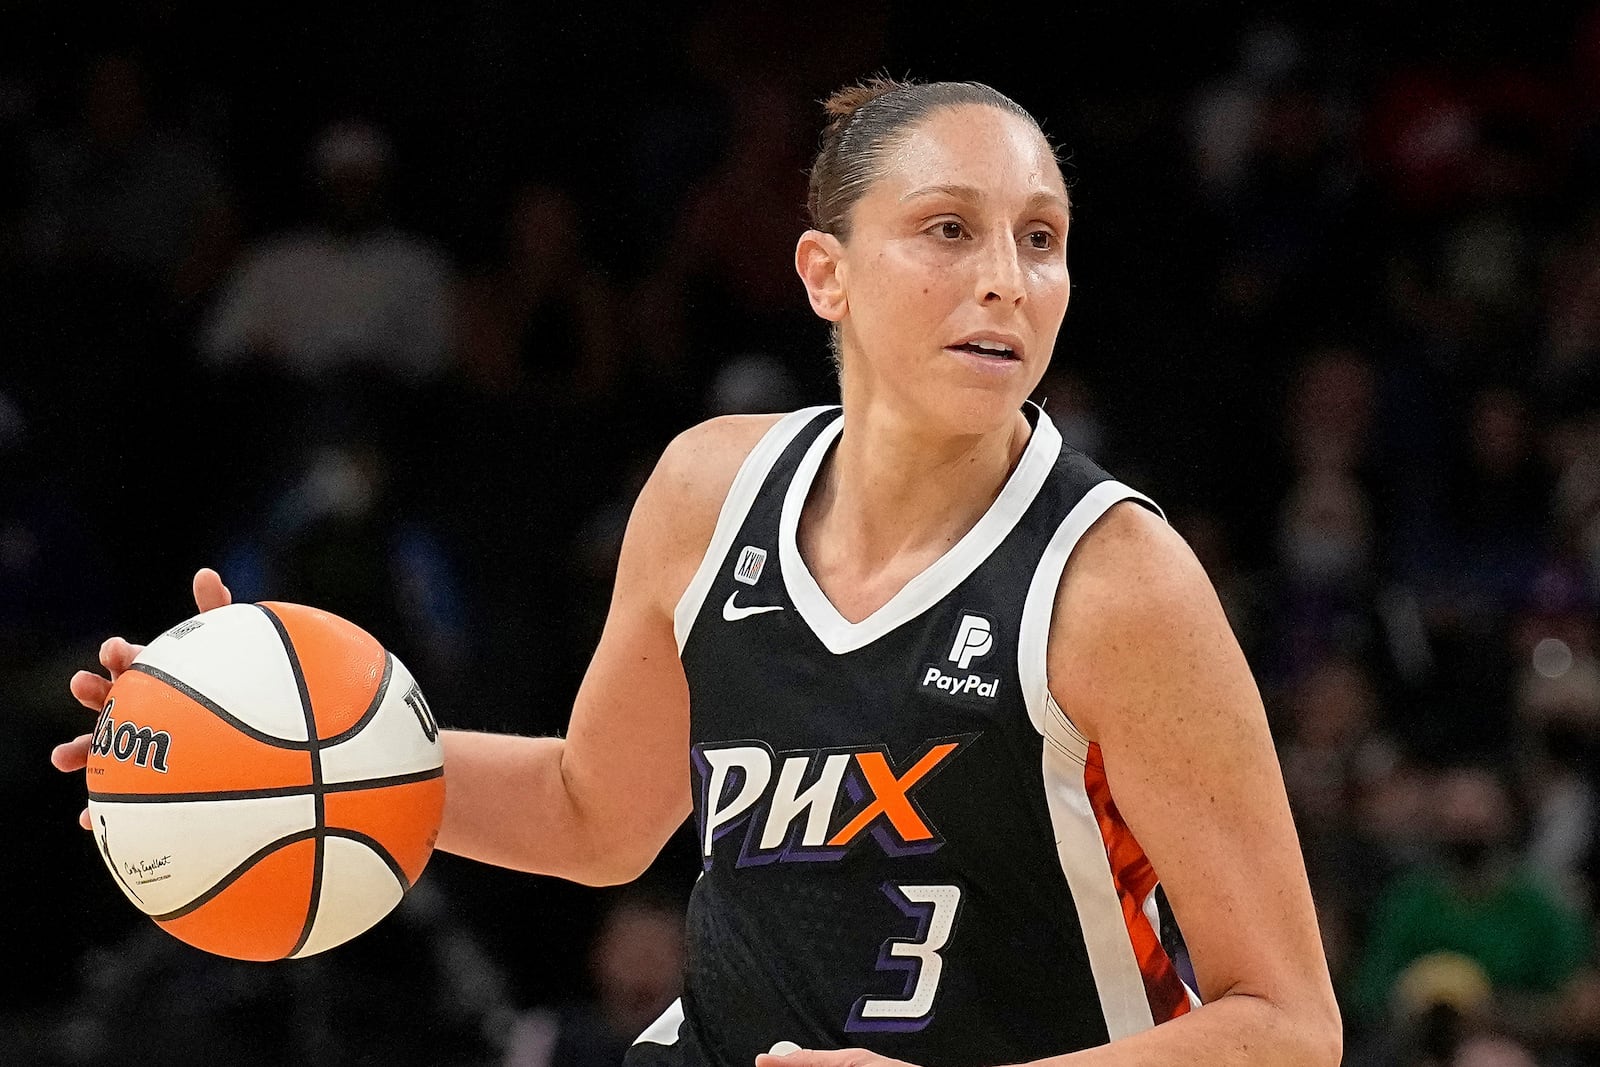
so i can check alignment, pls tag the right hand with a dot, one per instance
(90, 689)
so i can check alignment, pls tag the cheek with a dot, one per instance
(1051, 289)
(905, 286)
(1052, 283)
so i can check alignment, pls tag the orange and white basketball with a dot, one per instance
(266, 781)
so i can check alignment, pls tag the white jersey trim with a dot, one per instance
(735, 506)
(838, 634)
(1079, 846)
(1033, 640)
(1082, 852)
(664, 1031)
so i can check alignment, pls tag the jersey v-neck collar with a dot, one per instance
(938, 579)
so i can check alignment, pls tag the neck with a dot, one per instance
(894, 492)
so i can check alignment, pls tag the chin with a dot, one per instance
(965, 410)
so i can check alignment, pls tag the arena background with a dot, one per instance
(389, 307)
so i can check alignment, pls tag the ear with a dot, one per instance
(819, 260)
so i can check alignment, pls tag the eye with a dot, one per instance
(950, 230)
(1043, 240)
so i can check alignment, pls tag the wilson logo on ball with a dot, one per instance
(124, 741)
(419, 707)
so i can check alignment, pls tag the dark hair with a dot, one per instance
(863, 122)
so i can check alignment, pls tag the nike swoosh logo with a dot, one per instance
(733, 613)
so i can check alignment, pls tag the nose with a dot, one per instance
(1000, 279)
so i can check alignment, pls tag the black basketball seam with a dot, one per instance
(218, 710)
(372, 708)
(262, 794)
(377, 847)
(238, 872)
(320, 824)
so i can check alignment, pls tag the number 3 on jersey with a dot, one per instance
(934, 907)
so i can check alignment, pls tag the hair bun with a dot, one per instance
(844, 103)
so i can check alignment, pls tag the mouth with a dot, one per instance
(998, 351)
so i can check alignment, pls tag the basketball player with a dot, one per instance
(943, 697)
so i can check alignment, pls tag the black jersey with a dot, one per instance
(907, 846)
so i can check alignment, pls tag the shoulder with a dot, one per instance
(698, 466)
(1131, 565)
(676, 513)
(1133, 602)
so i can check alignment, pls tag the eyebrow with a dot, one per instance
(972, 192)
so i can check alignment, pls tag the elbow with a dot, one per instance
(609, 858)
(1318, 1034)
(1324, 1048)
(601, 872)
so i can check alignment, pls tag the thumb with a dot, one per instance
(209, 592)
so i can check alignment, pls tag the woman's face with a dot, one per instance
(954, 278)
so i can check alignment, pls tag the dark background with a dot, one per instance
(1336, 308)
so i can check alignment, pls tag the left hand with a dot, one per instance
(843, 1057)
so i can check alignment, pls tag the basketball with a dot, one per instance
(265, 781)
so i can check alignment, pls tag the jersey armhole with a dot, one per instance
(735, 506)
(1033, 641)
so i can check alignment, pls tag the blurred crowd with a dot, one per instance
(1337, 309)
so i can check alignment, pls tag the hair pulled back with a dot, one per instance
(864, 121)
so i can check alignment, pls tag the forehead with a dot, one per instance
(1000, 154)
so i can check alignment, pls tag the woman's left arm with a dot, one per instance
(1144, 663)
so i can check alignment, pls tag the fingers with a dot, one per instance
(83, 819)
(90, 689)
(71, 756)
(116, 655)
(209, 592)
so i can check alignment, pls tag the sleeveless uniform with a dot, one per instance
(907, 846)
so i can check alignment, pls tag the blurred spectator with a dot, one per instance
(1331, 411)
(1487, 543)
(1479, 901)
(1330, 531)
(348, 289)
(1441, 137)
(542, 321)
(725, 281)
(121, 199)
(1571, 297)
(635, 971)
(1334, 751)
(1326, 578)
(339, 536)
(514, 460)
(1269, 142)
(1555, 654)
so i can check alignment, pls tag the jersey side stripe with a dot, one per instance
(741, 494)
(1082, 853)
(1081, 850)
(1135, 880)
